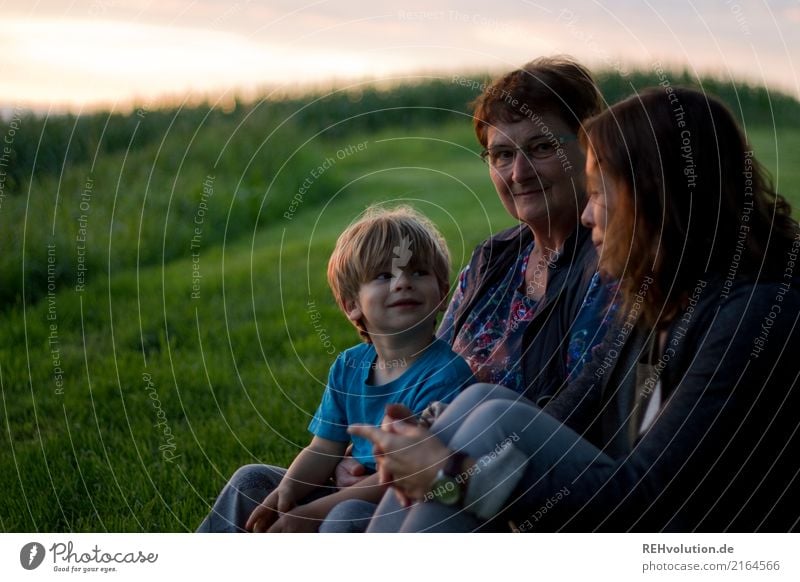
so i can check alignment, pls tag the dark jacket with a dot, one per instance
(724, 451)
(546, 337)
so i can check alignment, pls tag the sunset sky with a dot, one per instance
(84, 54)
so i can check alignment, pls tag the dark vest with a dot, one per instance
(546, 338)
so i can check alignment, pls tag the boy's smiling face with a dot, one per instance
(403, 303)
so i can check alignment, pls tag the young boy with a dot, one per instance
(390, 275)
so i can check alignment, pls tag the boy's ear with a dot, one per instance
(443, 303)
(353, 310)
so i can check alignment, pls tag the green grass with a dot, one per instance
(143, 205)
(779, 151)
(237, 371)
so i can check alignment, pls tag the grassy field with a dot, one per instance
(127, 404)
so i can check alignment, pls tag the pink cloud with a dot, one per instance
(792, 14)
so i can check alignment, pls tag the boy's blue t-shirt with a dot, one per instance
(438, 374)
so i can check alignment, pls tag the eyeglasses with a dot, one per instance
(543, 148)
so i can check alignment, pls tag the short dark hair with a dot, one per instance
(693, 198)
(557, 85)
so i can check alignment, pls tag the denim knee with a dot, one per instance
(466, 403)
(493, 421)
(351, 516)
(479, 391)
(477, 394)
(256, 476)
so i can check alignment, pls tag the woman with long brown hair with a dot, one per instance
(686, 418)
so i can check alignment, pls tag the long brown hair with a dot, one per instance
(694, 200)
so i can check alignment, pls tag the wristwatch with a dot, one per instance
(450, 485)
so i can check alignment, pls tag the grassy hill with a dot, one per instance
(128, 403)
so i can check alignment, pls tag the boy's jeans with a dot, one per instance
(248, 487)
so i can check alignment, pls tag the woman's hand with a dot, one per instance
(349, 472)
(408, 456)
(395, 413)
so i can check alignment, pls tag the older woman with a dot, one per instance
(686, 417)
(520, 315)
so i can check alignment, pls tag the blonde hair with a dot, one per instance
(383, 239)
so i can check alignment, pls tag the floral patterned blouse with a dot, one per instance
(491, 339)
